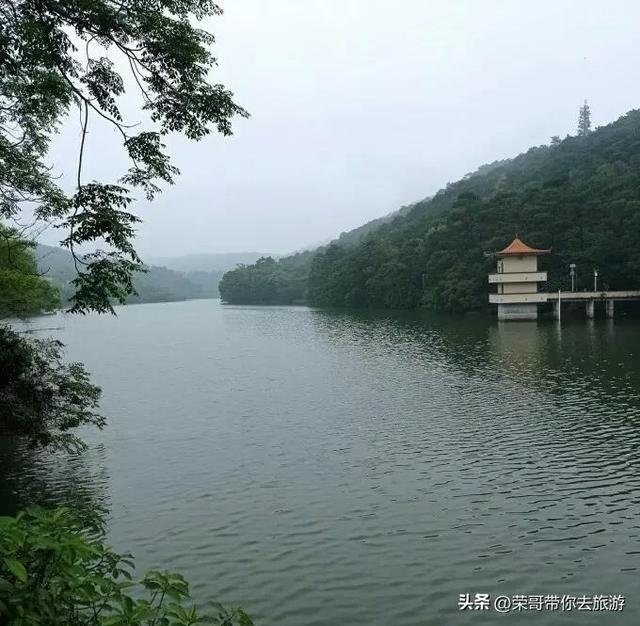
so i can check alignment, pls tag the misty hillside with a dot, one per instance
(354, 236)
(580, 196)
(158, 284)
(221, 262)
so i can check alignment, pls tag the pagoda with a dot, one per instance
(517, 279)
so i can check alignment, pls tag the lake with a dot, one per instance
(325, 468)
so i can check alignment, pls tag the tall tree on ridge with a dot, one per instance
(584, 120)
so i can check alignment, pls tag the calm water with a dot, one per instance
(327, 468)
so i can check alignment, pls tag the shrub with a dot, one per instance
(56, 569)
(41, 397)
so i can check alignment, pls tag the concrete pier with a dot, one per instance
(590, 309)
(610, 308)
(517, 311)
(519, 306)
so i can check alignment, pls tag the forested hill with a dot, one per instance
(580, 195)
(284, 281)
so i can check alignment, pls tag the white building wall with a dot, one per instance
(519, 264)
(520, 288)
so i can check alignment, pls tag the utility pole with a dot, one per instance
(595, 279)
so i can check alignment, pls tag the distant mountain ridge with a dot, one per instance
(199, 262)
(226, 261)
(158, 284)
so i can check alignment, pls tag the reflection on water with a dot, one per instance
(29, 477)
(329, 467)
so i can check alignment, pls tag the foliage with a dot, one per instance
(584, 120)
(58, 58)
(41, 397)
(23, 291)
(285, 281)
(580, 196)
(56, 569)
(267, 281)
(53, 56)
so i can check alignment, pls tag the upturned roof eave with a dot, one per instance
(518, 248)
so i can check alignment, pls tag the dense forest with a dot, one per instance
(268, 281)
(580, 196)
(284, 281)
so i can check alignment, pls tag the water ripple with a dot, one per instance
(326, 468)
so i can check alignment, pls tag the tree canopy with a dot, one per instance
(61, 55)
(57, 569)
(23, 290)
(60, 59)
(584, 120)
(267, 281)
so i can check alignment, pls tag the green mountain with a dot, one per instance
(157, 284)
(581, 196)
(284, 281)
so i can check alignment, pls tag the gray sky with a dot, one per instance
(361, 106)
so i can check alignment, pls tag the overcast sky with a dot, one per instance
(361, 106)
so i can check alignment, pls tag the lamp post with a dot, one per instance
(595, 279)
(572, 269)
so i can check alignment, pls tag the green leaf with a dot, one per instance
(17, 569)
